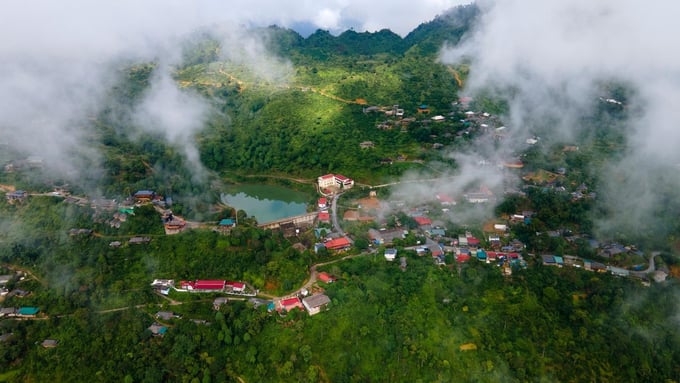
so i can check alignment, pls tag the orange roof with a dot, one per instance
(325, 277)
(423, 220)
(324, 216)
(338, 243)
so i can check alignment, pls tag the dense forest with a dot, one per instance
(424, 323)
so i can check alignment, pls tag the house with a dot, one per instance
(139, 240)
(477, 197)
(438, 118)
(324, 216)
(4, 279)
(445, 200)
(157, 329)
(422, 221)
(115, 244)
(326, 181)
(289, 304)
(618, 271)
(219, 301)
(341, 243)
(472, 241)
(424, 109)
(436, 232)
(27, 312)
(323, 203)
(158, 283)
(18, 195)
(495, 241)
(49, 343)
(325, 277)
(235, 287)
(166, 315)
(315, 303)
(7, 311)
(343, 182)
(481, 255)
(552, 260)
(203, 285)
(227, 223)
(366, 145)
(144, 196)
(402, 263)
(390, 254)
(175, 225)
(386, 237)
(19, 293)
(462, 258)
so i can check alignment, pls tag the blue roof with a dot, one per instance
(558, 260)
(227, 222)
(481, 254)
(162, 330)
(144, 192)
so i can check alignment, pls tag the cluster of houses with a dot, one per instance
(19, 312)
(164, 286)
(16, 196)
(313, 304)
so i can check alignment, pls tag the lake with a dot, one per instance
(266, 202)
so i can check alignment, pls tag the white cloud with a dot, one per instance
(551, 57)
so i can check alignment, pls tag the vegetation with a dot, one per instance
(425, 323)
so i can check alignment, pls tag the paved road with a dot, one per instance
(334, 217)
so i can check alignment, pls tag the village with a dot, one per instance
(424, 232)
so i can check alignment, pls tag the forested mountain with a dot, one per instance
(304, 113)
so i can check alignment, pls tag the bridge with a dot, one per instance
(303, 219)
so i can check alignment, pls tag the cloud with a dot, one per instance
(550, 59)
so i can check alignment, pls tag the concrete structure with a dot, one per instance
(390, 254)
(315, 303)
(298, 220)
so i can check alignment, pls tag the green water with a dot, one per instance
(266, 202)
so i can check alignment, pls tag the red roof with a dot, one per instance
(513, 255)
(325, 277)
(322, 201)
(462, 258)
(324, 216)
(443, 198)
(209, 284)
(472, 241)
(341, 178)
(337, 243)
(327, 176)
(185, 284)
(491, 254)
(423, 220)
(291, 303)
(236, 285)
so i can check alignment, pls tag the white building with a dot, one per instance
(390, 254)
(326, 181)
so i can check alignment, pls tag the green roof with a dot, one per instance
(28, 311)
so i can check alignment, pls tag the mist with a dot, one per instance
(60, 62)
(550, 61)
